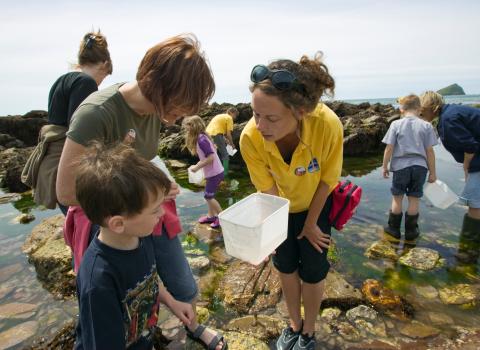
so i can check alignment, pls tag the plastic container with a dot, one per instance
(254, 227)
(440, 194)
(231, 151)
(197, 177)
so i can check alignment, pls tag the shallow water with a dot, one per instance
(440, 231)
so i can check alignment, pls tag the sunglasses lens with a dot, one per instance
(282, 80)
(259, 73)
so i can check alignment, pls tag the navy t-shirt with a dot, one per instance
(66, 94)
(118, 296)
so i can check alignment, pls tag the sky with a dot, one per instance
(373, 49)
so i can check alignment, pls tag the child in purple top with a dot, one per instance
(200, 144)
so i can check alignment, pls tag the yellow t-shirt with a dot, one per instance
(220, 124)
(322, 134)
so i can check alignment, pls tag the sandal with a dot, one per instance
(195, 336)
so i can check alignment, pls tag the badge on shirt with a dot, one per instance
(130, 137)
(300, 171)
(313, 166)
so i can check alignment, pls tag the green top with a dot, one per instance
(105, 116)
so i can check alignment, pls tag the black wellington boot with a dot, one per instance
(394, 223)
(411, 227)
(469, 242)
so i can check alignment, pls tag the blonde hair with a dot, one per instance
(432, 100)
(193, 127)
(409, 103)
(93, 50)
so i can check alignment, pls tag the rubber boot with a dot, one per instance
(394, 222)
(469, 242)
(411, 227)
(225, 164)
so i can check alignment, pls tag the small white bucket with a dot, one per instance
(231, 151)
(254, 227)
(439, 194)
(197, 177)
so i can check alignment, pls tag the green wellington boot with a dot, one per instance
(225, 163)
(394, 222)
(469, 241)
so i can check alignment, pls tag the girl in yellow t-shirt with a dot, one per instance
(293, 148)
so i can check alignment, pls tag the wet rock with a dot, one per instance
(340, 293)
(205, 233)
(10, 197)
(249, 289)
(51, 257)
(428, 292)
(459, 294)
(18, 334)
(330, 314)
(7, 141)
(381, 249)
(24, 128)
(260, 326)
(24, 218)
(438, 318)
(219, 255)
(8, 271)
(362, 311)
(347, 331)
(420, 258)
(17, 310)
(418, 330)
(366, 320)
(373, 345)
(384, 299)
(176, 164)
(12, 161)
(198, 263)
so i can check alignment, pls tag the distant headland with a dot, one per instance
(453, 89)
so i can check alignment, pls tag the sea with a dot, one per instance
(457, 99)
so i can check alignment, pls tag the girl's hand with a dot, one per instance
(315, 236)
(193, 168)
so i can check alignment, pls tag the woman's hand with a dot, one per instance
(174, 191)
(315, 236)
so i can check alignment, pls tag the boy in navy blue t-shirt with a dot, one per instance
(118, 287)
(409, 150)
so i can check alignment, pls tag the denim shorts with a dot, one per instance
(409, 181)
(471, 192)
(219, 140)
(173, 268)
(294, 254)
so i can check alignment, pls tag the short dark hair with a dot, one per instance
(115, 180)
(175, 73)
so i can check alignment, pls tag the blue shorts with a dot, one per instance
(298, 254)
(409, 181)
(173, 268)
(471, 192)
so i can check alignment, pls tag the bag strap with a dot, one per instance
(345, 203)
(342, 186)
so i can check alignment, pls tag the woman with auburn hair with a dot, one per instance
(66, 94)
(293, 148)
(173, 80)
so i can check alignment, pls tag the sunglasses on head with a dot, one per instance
(281, 79)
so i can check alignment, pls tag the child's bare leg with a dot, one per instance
(413, 203)
(214, 207)
(397, 204)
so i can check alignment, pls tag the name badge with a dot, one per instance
(300, 171)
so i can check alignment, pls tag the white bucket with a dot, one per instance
(254, 227)
(439, 194)
(195, 177)
(231, 151)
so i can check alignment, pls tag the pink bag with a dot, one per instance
(346, 198)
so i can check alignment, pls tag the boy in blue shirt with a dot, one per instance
(118, 287)
(409, 151)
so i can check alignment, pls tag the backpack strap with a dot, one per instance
(342, 186)
(345, 203)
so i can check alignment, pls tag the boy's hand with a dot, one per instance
(315, 236)
(174, 190)
(386, 173)
(432, 178)
(183, 311)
